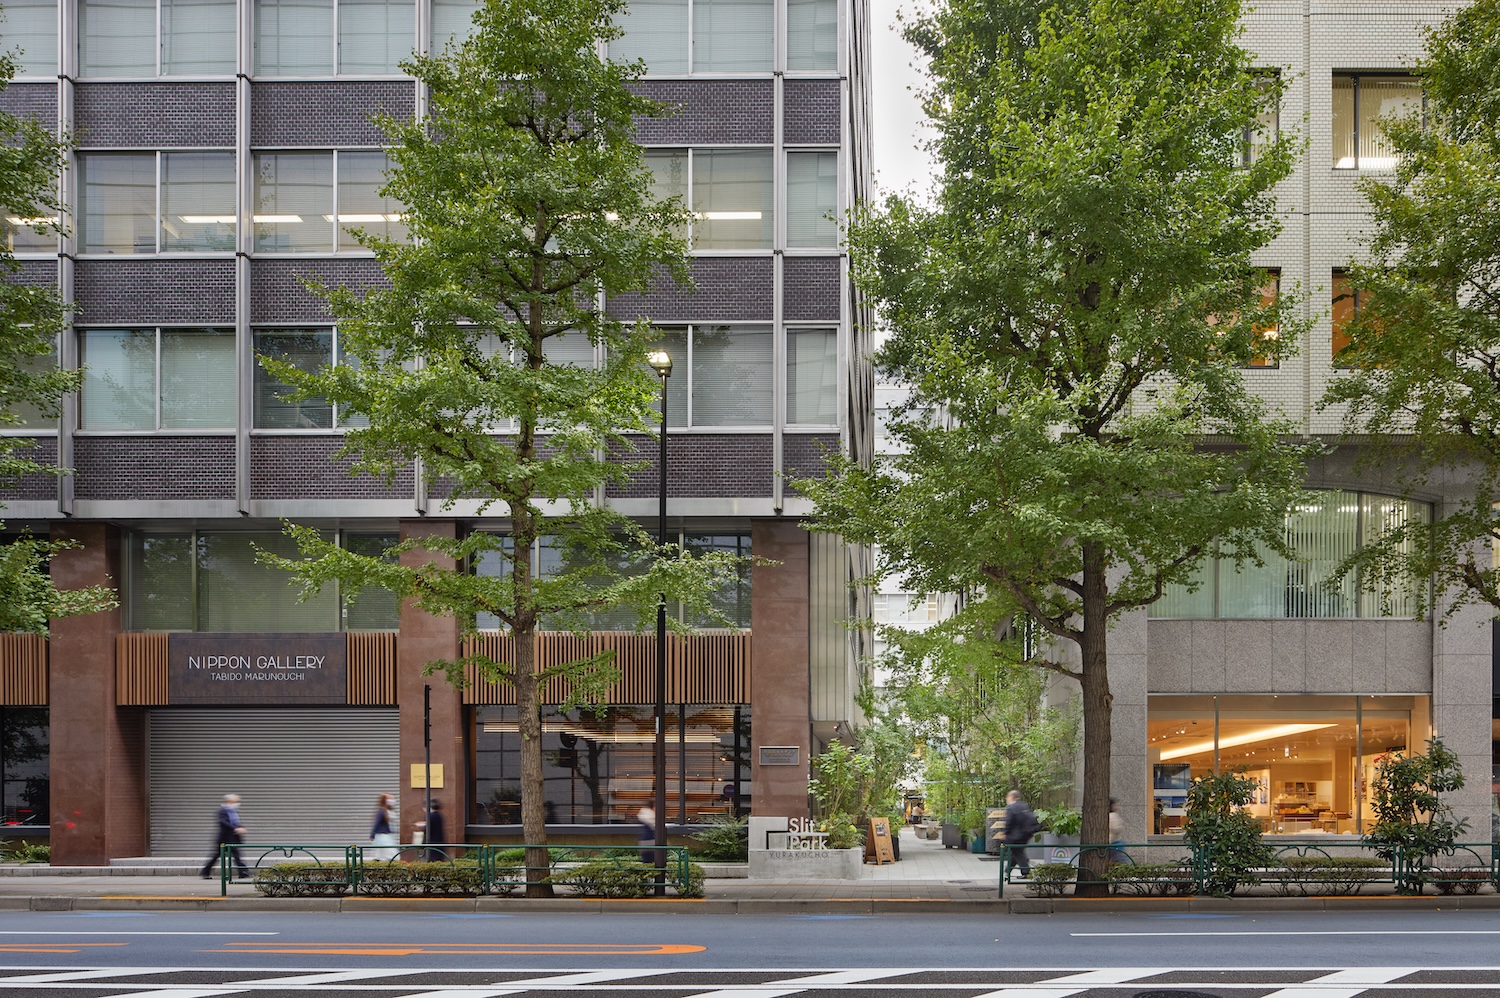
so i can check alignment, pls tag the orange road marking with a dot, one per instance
(455, 949)
(49, 947)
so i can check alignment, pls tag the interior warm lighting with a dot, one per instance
(208, 219)
(278, 219)
(730, 216)
(611, 737)
(46, 220)
(1366, 163)
(1260, 735)
(392, 217)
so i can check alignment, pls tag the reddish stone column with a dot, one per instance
(780, 683)
(98, 749)
(426, 638)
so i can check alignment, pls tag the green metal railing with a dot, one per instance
(1295, 868)
(345, 869)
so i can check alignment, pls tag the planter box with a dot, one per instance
(806, 864)
(952, 837)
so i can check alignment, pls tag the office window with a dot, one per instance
(321, 37)
(31, 416)
(812, 35)
(122, 38)
(732, 599)
(299, 195)
(721, 375)
(812, 199)
(452, 21)
(732, 195)
(19, 235)
(669, 178)
(30, 26)
(308, 350)
(1348, 303)
(733, 36)
(1359, 102)
(118, 202)
(812, 377)
(198, 37)
(157, 379)
(361, 175)
(1268, 334)
(1263, 131)
(727, 36)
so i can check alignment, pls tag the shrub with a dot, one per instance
(1050, 880)
(1465, 880)
(606, 879)
(842, 834)
(27, 852)
(463, 879)
(724, 839)
(1412, 820)
(300, 880)
(1220, 829)
(1305, 875)
(693, 886)
(1146, 879)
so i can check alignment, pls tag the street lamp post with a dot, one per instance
(661, 363)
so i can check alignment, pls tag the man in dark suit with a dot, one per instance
(1020, 825)
(231, 833)
(436, 831)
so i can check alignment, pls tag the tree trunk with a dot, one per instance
(533, 789)
(1097, 703)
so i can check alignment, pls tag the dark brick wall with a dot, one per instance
(154, 115)
(810, 287)
(34, 272)
(277, 293)
(154, 467)
(325, 114)
(710, 111)
(805, 455)
(701, 465)
(31, 100)
(33, 488)
(810, 112)
(296, 467)
(728, 288)
(154, 291)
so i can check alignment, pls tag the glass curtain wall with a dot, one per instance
(597, 764)
(1312, 757)
(25, 765)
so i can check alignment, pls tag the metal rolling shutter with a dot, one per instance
(307, 775)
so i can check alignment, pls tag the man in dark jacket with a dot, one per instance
(230, 833)
(436, 832)
(1020, 825)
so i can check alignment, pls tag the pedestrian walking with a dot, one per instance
(646, 818)
(1117, 852)
(230, 833)
(436, 832)
(381, 837)
(1020, 825)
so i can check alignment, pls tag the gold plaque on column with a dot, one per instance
(419, 776)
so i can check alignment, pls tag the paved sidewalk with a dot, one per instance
(928, 878)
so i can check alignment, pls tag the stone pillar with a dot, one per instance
(1462, 681)
(1129, 769)
(780, 685)
(427, 638)
(98, 797)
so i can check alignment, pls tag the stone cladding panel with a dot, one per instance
(700, 465)
(154, 467)
(309, 467)
(728, 288)
(277, 293)
(810, 113)
(709, 112)
(805, 455)
(31, 100)
(154, 115)
(325, 114)
(810, 287)
(34, 271)
(33, 488)
(154, 291)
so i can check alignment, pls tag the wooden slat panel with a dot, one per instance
(372, 668)
(140, 669)
(23, 670)
(712, 667)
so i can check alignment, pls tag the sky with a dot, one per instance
(899, 133)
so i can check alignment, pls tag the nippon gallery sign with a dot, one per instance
(257, 669)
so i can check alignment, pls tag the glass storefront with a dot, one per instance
(1312, 757)
(597, 764)
(25, 759)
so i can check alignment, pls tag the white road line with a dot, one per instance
(332, 977)
(462, 993)
(1112, 975)
(842, 977)
(183, 993)
(587, 977)
(65, 932)
(749, 993)
(1032, 992)
(1302, 932)
(1365, 975)
(78, 975)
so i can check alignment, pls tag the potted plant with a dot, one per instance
(1060, 825)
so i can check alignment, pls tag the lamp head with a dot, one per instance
(661, 362)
